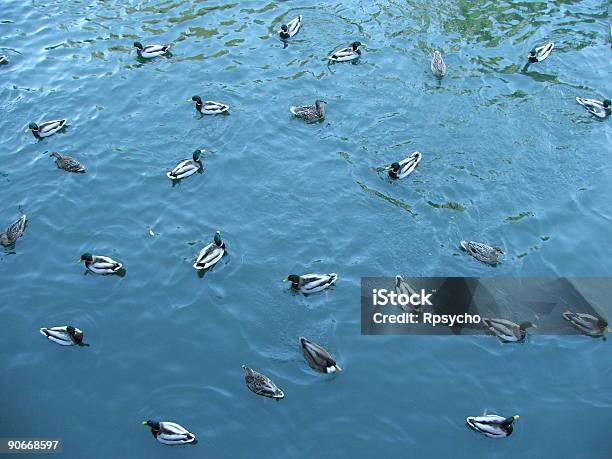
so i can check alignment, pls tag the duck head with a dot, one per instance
(218, 241)
(138, 45)
(33, 126)
(293, 278)
(196, 155)
(532, 55)
(154, 425)
(87, 257)
(355, 45)
(197, 99)
(526, 325)
(395, 167)
(508, 421)
(320, 105)
(607, 103)
(602, 323)
(284, 27)
(76, 334)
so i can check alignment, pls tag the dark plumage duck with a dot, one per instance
(318, 358)
(310, 113)
(66, 335)
(492, 425)
(405, 167)
(311, 283)
(347, 54)
(598, 108)
(47, 128)
(539, 53)
(170, 433)
(483, 252)
(209, 107)
(67, 163)
(506, 330)
(261, 384)
(13, 232)
(291, 28)
(211, 254)
(187, 167)
(586, 323)
(100, 264)
(151, 51)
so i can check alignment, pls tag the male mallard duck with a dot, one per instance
(405, 166)
(310, 113)
(492, 425)
(311, 283)
(100, 265)
(261, 384)
(540, 53)
(170, 433)
(349, 53)
(13, 232)
(3, 59)
(186, 167)
(438, 67)
(47, 128)
(67, 163)
(402, 287)
(151, 51)
(318, 358)
(211, 254)
(64, 336)
(209, 107)
(507, 331)
(291, 28)
(586, 323)
(483, 252)
(600, 109)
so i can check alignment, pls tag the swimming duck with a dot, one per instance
(186, 167)
(347, 54)
(403, 287)
(483, 252)
(586, 323)
(492, 425)
(291, 28)
(211, 254)
(151, 51)
(405, 166)
(209, 107)
(438, 67)
(311, 283)
(3, 59)
(318, 358)
(170, 433)
(64, 336)
(13, 232)
(47, 128)
(507, 331)
(540, 53)
(261, 384)
(100, 265)
(67, 163)
(600, 109)
(310, 113)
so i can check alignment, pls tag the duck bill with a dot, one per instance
(285, 279)
(515, 417)
(338, 368)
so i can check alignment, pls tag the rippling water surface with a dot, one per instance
(508, 158)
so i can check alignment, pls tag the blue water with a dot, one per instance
(509, 158)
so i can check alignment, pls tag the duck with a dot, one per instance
(317, 357)
(66, 335)
(261, 384)
(586, 323)
(291, 28)
(170, 433)
(311, 283)
(438, 66)
(506, 330)
(492, 425)
(483, 252)
(3, 59)
(540, 53)
(310, 113)
(402, 287)
(601, 109)
(99, 264)
(13, 232)
(211, 254)
(347, 54)
(67, 163)
(209, 107)
(46, 129)
(186, 167)
(402, 169)
(151, 51)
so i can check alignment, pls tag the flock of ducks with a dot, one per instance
(317, 357)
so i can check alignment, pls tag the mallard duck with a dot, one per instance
(483, 252)
(13, 232)
(438, 67)
(349, 53)
(507, 331)
(291, 28)
(586, 323)
(170, 433)
(100, 264)
(67, 163)
(261, 384)
(492, 425)
(540, 53)
(47, 128)
(311, 283)
(3, 59)
(66, 335)
(318, 358)
(151, 51)
(600, 109)
(211, 254)
(209, 107)
(186, 167)
(405, 166)
(402, 287)
(310, 113)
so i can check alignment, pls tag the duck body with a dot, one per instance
(209, 107)
(483, 252)
(350, 53)
(540, 53)
(587, 324)
(402, 287)
(506, 330)
(13, 232)
(601, 109)
(211, 254)
(68, 163)
(312, 283)
(492, 425)
(151, 51)
(66, 335)
(438, 66)
(310, 113)
(100, 264)
(405, 167)
(170, 433)
(261, 384)
(317, 357)
(186, 167)
(46, 129)
(291, 28)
